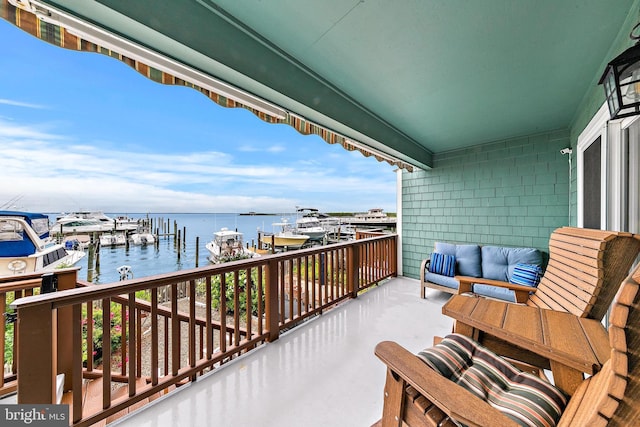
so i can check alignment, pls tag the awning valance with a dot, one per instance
(67, 38)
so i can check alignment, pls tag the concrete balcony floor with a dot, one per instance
(323, 373)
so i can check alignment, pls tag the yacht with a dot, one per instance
(226, 246)
(308, 223)
(91, 221)
(286, 238)
(25, 245)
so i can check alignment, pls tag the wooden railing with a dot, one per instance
(139, 338)
(11, 289)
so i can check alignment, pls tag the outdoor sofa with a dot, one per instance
(519, 266)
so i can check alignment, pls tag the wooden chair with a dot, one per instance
(584, 272)
(416, 395)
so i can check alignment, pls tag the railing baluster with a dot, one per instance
(223, 312)
(236, 309)
(106, 353)
(249, 308)
(281, 281)
(260, 286)
(166, 346)
(138, 342)
(314, 261)
(271, 300)
(89, 324)
(76, 376)
(131, 322)
(192, 324)
(209, 305)
(175, 331)
(123, 339)
(154, 336)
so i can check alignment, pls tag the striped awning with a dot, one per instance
(59, 36)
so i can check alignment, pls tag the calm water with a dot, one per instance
(150, 260)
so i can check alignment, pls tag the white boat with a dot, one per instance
(75, 225)
(227, 245)
(284, 239)
(308, 223)
(90, 221)
(113, 239)
(142, 238)
(25, 245)
(77, 241)
(373, 218)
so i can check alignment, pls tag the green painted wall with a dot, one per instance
(507, 193)
(512, 193)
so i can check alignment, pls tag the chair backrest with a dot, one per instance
(586, 268)
(611, 396)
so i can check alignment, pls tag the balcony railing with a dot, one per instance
(133, 340)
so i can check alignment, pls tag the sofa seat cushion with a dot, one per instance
(441, 280)
(498, 262)
(494, 292)
(468, 257)
(521, 396)
(443, 264)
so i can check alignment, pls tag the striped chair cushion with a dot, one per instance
(442, 264)
(523, 397)
(526, 274)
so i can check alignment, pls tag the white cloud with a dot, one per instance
(56, 174)
(21, 104)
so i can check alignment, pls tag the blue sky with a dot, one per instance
(84, 131)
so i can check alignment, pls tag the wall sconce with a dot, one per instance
(621, 80)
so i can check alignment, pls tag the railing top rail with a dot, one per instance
(90, 293)
(38, 275)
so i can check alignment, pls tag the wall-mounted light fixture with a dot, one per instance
(621, 80)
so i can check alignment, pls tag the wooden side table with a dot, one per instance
(569, 345)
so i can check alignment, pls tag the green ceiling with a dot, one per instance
(409, 77)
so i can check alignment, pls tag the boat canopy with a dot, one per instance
(38, 221)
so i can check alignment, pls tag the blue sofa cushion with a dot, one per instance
(526, 275)
(441, 280)
(443, 264)
(494, 292)
(499, 262)
(468, 258)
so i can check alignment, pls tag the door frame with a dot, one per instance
(613, 186)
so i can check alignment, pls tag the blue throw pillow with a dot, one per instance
(526, 274)
(442, 264)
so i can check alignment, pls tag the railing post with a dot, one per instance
(37, 354)
(271, 301)
(66, 280)
(352, 270)
(393, 255)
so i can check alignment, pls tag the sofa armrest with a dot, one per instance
(424, 267)
(451, 398)
(521, 292)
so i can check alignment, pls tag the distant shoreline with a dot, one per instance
(337, 214)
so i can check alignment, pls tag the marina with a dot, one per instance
(161, 242)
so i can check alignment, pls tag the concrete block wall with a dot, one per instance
(507, 193)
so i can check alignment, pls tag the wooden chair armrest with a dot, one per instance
(451, 398)
(424, 266)
(466, 286)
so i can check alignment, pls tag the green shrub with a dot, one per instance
(98, 320)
